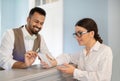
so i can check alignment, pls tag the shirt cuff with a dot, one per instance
(58, 62)
(8, 65)
(76, 73)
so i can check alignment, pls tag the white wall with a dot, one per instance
(53, 27)
(113, 35)
(0, 19)
(78, 9)
(13, 14)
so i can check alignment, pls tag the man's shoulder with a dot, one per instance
(8, 34)
(9, 30)
(18, 27)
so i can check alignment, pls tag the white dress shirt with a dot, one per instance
(7, 46)
(97, 66)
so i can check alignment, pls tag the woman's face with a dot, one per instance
(82, 35)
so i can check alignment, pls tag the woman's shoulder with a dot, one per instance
(106, 49)
(105, 46)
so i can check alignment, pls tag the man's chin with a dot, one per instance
(35, 32)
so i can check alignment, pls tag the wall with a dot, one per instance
(113, 35)
(14, 13)
(107, 15)
(53, 27)
(0, 17)
(77, 9)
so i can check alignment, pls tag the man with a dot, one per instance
(19, 46)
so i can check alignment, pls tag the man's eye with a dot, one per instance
(36, 21)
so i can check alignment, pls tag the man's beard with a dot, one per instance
(36, 30)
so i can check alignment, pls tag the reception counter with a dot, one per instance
(34, 73)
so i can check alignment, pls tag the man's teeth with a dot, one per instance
(36, 29)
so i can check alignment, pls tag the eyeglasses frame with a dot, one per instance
(79, 34)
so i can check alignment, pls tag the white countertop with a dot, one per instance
(34, 73)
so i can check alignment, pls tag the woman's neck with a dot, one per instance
(90, 45)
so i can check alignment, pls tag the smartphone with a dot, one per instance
(44, 59)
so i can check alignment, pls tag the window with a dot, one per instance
(42, 2)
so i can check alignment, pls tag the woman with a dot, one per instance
(94, 62)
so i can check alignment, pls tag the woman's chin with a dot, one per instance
(81, 44)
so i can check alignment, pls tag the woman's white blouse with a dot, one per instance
(97, 66)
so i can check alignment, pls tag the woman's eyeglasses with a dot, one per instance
(79, 34)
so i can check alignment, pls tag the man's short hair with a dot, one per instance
(38, 10)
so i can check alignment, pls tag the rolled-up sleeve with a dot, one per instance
(68, 58)
(6, 49)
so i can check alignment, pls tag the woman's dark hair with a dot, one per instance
(90, 25)
(38, 10)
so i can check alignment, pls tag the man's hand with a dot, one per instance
(30, 57)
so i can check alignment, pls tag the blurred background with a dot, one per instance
(60, 20)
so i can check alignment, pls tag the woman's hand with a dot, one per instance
(66, 68)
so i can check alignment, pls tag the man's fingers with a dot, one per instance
(44, 65)
(48, 57)
(31, 54)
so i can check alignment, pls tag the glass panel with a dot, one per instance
(37, 2)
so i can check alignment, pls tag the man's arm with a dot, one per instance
(20, 65)
(30, 57)
(6, 47)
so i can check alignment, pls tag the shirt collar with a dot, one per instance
(27, 35)
(94, 48)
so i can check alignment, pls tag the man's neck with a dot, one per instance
(27, 28)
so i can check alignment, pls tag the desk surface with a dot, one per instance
(34, 73)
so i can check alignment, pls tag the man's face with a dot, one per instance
(35, 23)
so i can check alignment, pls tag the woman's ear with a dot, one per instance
(92, 33)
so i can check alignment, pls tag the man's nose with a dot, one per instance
(39, 25)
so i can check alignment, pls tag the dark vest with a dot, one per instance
(19, 46)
